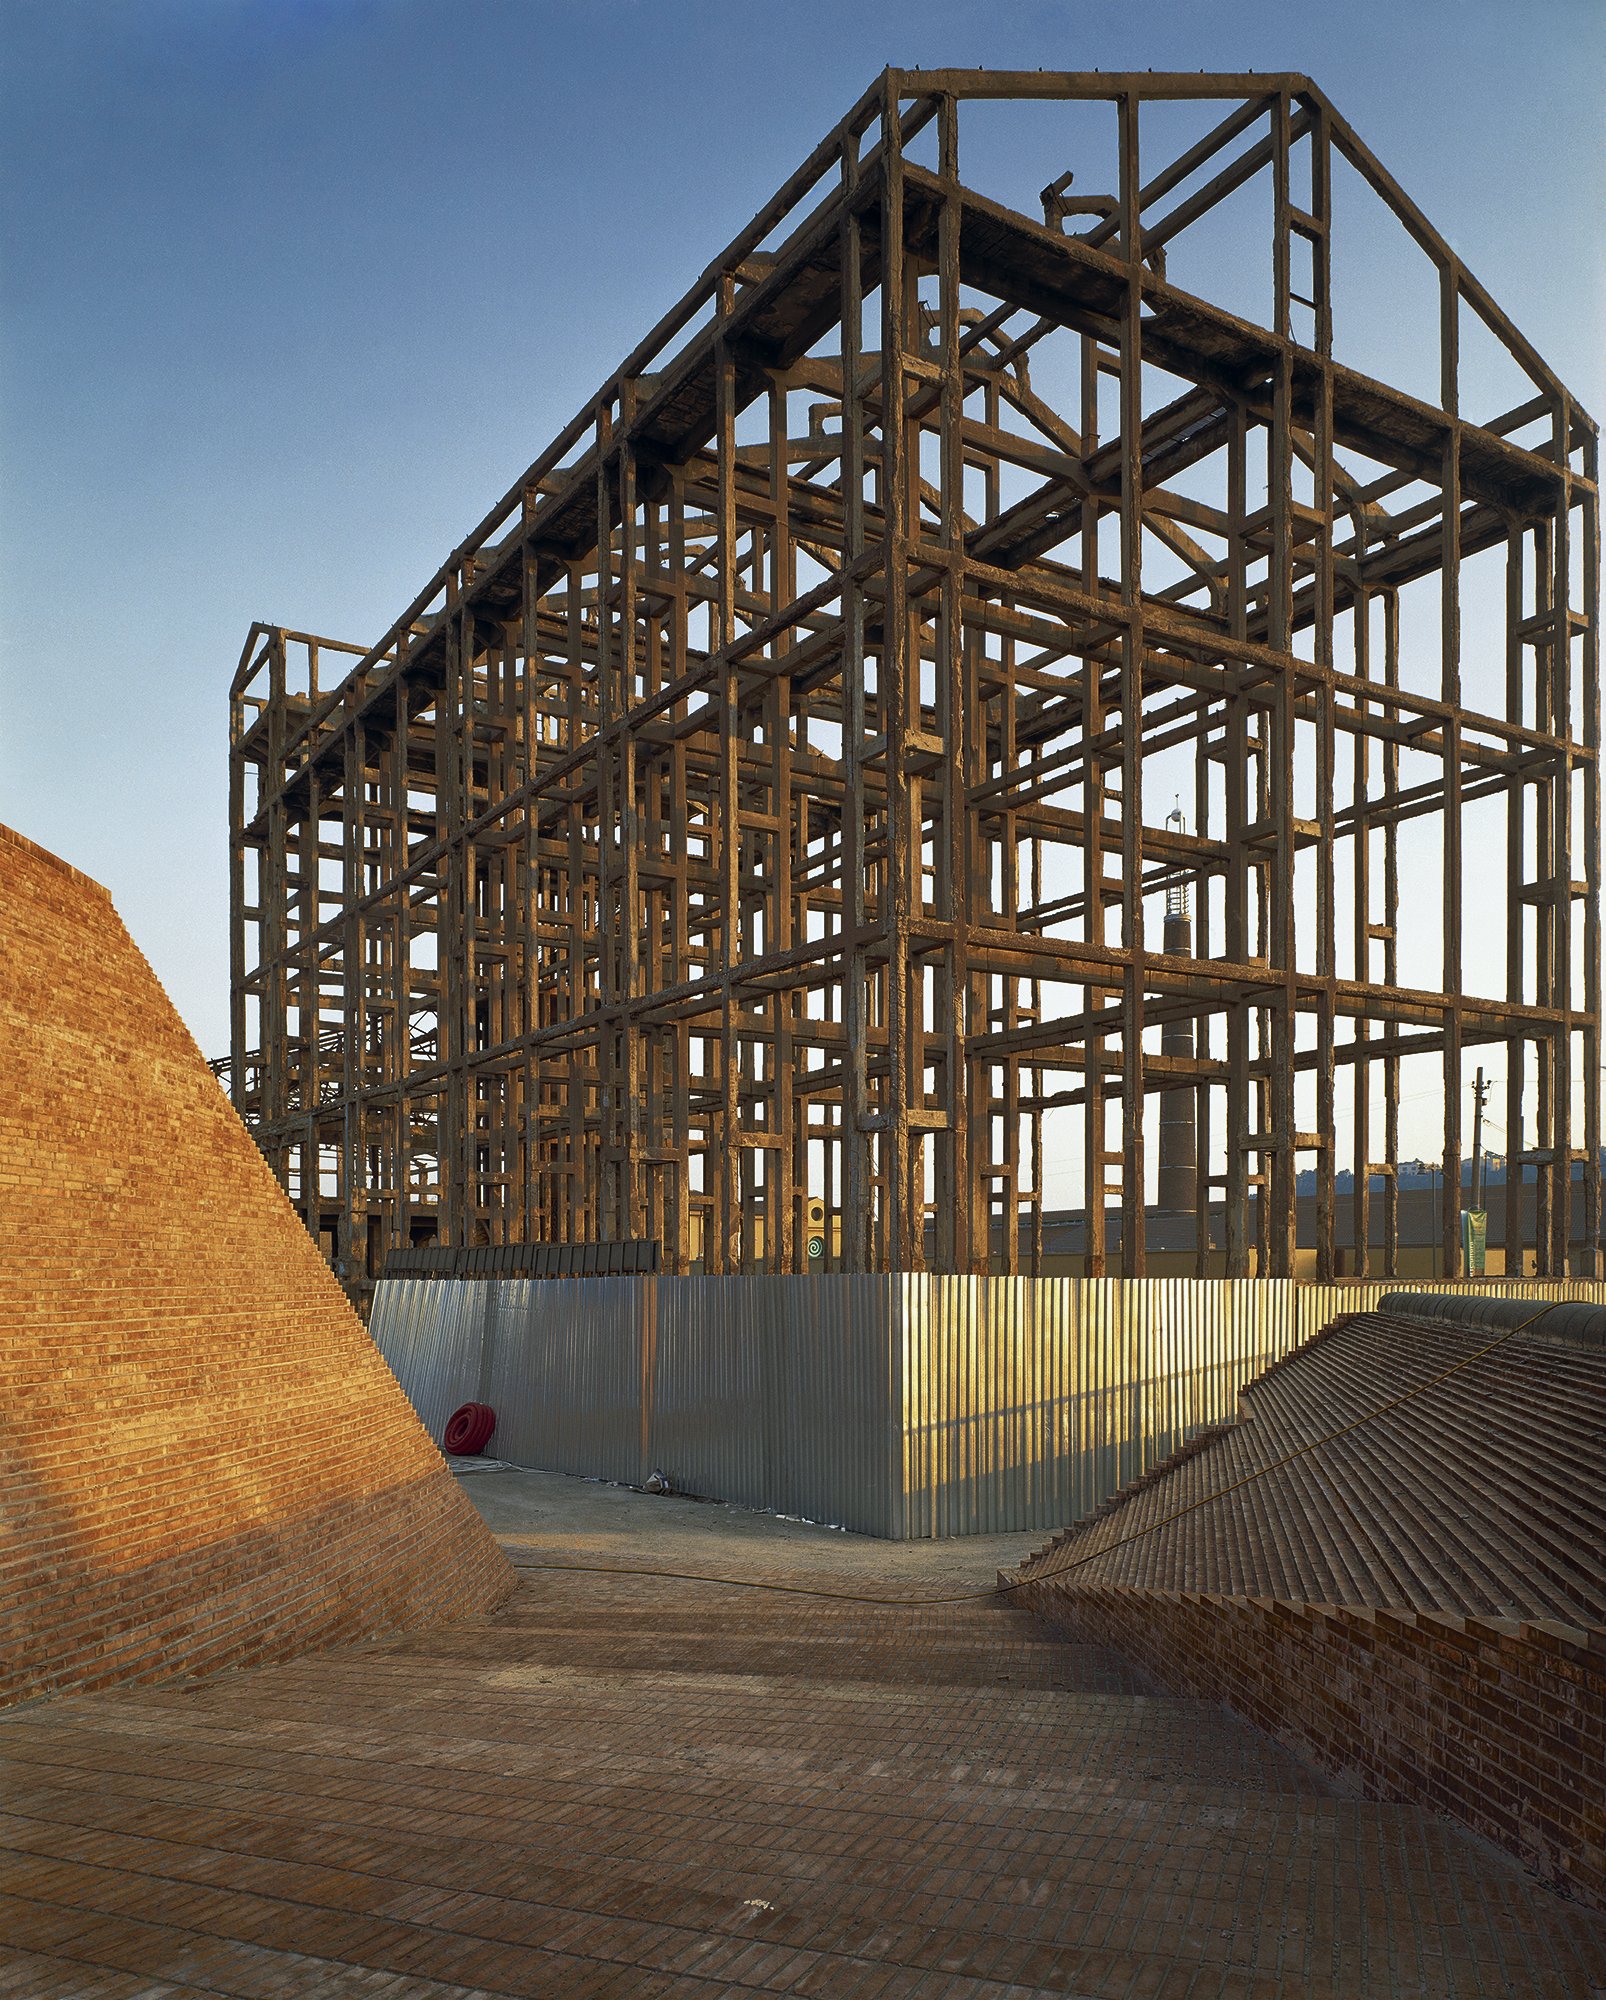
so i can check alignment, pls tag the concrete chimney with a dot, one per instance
(1179, 1153)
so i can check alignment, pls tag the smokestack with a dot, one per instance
(1179, 1153)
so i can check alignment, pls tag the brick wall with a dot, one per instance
(1498, 1724)
(203, 1460)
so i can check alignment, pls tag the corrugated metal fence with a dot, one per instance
(773, 1392)
(900, 1406)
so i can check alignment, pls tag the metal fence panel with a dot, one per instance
(709, 1413)
(432, 1335)
(566, 1360)
(773, 1392)
(836, 1426)
(1028, 1401)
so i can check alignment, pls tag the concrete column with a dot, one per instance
(1179, 1169)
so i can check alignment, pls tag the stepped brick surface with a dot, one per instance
(647, 1788)
(1484, 1494)
(1411, 1591)
(203, 1462)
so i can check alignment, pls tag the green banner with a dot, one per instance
(1474, 1240)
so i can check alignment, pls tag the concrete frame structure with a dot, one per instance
(750, 836)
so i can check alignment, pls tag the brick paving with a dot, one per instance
(631, 1787)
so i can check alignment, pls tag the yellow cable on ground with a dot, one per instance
(1093, 1555)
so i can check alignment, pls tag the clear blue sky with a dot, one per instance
(294, 289)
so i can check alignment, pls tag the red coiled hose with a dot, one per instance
(468, 1430)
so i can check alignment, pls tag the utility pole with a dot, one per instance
(1480, 1091)
(1474, 1221)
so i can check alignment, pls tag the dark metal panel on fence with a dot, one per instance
(636, 1256)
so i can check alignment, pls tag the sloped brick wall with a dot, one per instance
(1499, 1724)
(203, 1460)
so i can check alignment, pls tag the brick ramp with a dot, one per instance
(203, 1460)
(616, 1787)
(1419, 1604)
